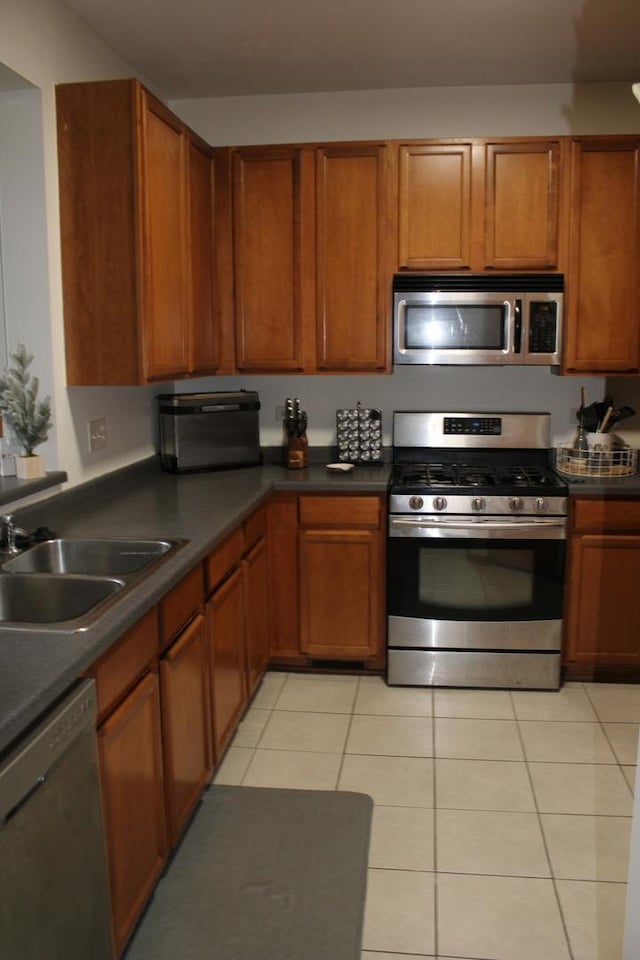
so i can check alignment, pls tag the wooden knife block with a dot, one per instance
(297, 453)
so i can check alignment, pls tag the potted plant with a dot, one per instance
(30, 418)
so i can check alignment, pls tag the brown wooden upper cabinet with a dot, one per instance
(312, 257)
(136, 252)
(602, 321)
(271, 257)
(479, 204)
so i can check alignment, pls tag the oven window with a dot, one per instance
(455, 326)
(475, 579)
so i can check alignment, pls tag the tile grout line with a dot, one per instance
(436, 925)
(565, 928)
(606, 736)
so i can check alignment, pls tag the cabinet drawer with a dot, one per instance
(340, 511)
(224, 559)
(125, 662)
(606, 515)
(181, 604)
(255, 527)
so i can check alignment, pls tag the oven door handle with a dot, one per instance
(542, 528)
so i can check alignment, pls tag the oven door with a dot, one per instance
(475, 601)
(475, 582)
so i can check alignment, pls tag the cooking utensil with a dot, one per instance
(602, 428)
(580, 443)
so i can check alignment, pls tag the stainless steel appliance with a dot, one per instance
(54, 899)
(476, 552)
(209, 431)
(483, 319)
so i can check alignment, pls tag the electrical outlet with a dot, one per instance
(97, 430)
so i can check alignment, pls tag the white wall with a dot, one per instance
(46, 44)
(524, 110)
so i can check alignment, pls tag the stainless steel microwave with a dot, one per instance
(477, 319)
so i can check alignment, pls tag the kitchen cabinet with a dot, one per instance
(282, 521)
(255, 576)
(237, 613)
(135, 235)
(603, 277)
(204, 333)
(602, 600)
(225, 627)
(131, 771)
(311, 222)
(153, 739)
(272, 258)
(479, 204)
(186, 710)
(353, 257)
(341, 577)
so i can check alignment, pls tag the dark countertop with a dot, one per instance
(36, 668)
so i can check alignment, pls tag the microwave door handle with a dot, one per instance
(517, 326)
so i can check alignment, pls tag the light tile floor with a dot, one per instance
(502, 819)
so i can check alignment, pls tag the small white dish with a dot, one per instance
(340, 467)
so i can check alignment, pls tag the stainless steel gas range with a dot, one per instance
(475, 552)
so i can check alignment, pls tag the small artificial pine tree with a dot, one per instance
(30, 418)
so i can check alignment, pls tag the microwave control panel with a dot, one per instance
(543, 327)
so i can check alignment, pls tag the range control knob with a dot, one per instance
(542, 505)
(439, 503)
(516, 504)
(478, 503)
(416, 503)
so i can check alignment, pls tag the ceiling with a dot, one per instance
(211, 48)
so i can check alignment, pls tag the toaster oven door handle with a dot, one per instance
(218, 407)
(546, 528)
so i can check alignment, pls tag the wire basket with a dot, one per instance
(606, 463)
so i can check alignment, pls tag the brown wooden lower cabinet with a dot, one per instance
(255, 574)
(130, 750)
(327, 578)
(340, 593)
(225, 628)
(185, 723)
(603, 594)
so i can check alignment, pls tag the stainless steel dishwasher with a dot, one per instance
(54, 894)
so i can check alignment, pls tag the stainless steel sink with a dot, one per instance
(90, 557)
(48, 599)
(66, 584)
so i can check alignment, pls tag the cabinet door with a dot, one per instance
(98, 189)
(203, 339)
(283, 574)
(603, 608)
(130, 749)
(225, 628)
(341, 611)
(434, 214)
(184, 677)
(353, 262)
(271, 270)
(164, 240)
(255, 570)
(602, 329)
(521, 205)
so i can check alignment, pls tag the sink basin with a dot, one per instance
(51, 599)
(66, 584)
(90, 557)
